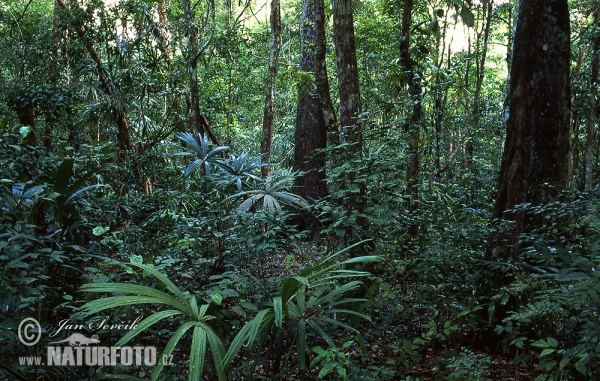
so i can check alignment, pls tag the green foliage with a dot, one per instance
(469, 366)
(206, 158)
(331, 359)
(181, 303)
(272, 194)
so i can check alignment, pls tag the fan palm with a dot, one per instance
(272, 195)
(200, 149)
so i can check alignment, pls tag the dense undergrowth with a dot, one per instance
(229, 288)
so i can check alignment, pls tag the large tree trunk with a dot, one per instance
(267, 140)
(349, 95)
(535, 159)
(321, 79)
(310, 133)
(591, 120)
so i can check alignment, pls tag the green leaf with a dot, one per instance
(217, 298)
(169, 348)
(99, 230)
(326, 369)
(144, 324)
(197, 353)
(143, 294)
(546, 352)
(24, 130)
(467, 16)
(541, 248)
(63, 175)
(541, 344)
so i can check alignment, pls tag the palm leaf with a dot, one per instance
(177, 335)
(197, 353)
(149, 321)
(127, 288)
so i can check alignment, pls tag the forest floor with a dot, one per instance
(385, 350)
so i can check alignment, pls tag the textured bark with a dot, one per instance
(535, 159)
(321, 78)
(349, 95)
(267, 140)
(310, 133)
(412, 126)
(591, 120)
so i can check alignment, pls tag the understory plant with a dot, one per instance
(318, 299)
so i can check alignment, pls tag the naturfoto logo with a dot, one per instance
(77, 349)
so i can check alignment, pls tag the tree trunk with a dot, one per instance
(412, 126)
(267, 140)
(108, 85)
(535, 159)
(591, 120)
(310, 133)
(349, 95)
(476, 112)
(321, 78)
(192, 31)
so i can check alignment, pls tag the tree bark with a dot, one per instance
(535, 160)
(591, 119)
(310, 133)
(267, 139)
(321, 78)
(349, 95)
(412, 126)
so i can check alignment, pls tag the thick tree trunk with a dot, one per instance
(591, 120)
(535, 159)
(268, 120)
(349, 95)
(310, 133)
(321, 78)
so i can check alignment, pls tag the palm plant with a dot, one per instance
(19, 198)
(272, 195)
(205, 158)
(239, 167)
(317, 299)
(180, 303)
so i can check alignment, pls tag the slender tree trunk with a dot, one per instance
(412, 126)
(310, 133)
(192, 32)
(268, 120)
(535, 159)
(123, 133)
(475, 114)
(591, 120)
